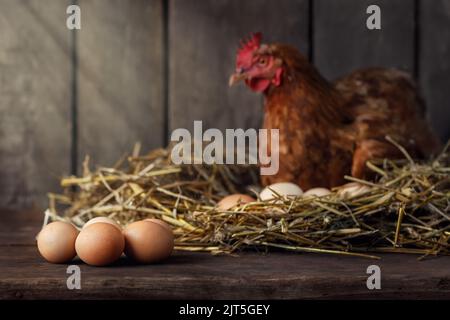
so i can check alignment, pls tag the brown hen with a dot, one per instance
(330, 130)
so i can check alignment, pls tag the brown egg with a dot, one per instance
(147, 241)
(104, 220)
(161, 223)
(232, 200)
(56, 242)
(100, 244)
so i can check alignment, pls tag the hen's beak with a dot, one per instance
(236, 77)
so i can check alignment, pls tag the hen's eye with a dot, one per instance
(262, 61)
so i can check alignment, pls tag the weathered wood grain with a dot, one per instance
(276, 275)
(19, 227)
(204, 37)
(25, 275)
(434, 63)
(343, 43)
(35, 119)
(120, 78)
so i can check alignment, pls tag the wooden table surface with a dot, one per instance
(25, 275)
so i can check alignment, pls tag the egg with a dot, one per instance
(104, 220)
(100, 244)
(234, 199)
(56, 242)
(285, 189)
(161, 223)
(317, 192)
(352, 189)
(147, 241)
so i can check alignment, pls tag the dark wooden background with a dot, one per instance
(138, 69)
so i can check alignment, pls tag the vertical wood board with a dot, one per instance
(120, 98)
(343, 43)
(35, 119)
(434, 63)
(204, 37)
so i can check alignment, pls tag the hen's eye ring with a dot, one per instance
(262, 61)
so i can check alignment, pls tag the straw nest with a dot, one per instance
(406, 210)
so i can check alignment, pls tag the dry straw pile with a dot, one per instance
(406, 210)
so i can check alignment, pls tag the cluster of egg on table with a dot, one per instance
(102, 241)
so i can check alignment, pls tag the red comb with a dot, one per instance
(248, 46)
(251, 43)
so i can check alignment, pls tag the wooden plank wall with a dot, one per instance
(139, 68)
(434, 62)
(343, 43)
(35, 63)
(120, 78)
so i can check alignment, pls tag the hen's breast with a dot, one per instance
(308, 152)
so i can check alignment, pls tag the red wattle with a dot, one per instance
(277, 78)
(258, 85)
